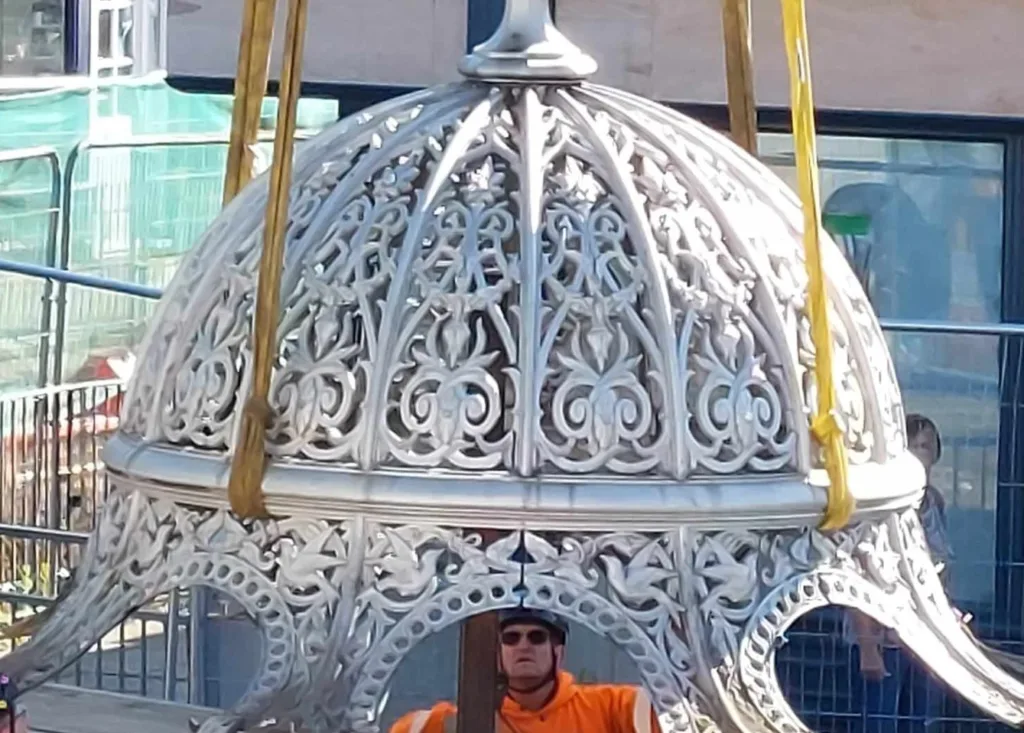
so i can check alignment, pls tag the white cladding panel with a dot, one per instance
(414, 42)
(954, 56)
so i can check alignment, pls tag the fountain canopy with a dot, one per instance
(541, 343)
(520, 299)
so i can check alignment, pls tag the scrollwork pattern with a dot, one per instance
(602, 397)
(421, 579)
(285, 574)
(539, 281)
(340, 604)
(453, 376)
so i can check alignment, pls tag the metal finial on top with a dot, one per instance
(527, 47)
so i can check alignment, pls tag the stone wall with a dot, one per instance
(954, 56)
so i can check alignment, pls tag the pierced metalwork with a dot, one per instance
(537, 280)
(557, 310)
(340, 604)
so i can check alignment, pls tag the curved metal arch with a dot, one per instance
(933, 606)
(499, 591)
(756, 684)
(145, 547)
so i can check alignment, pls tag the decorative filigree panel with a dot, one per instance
(340, 604)
(285, 574)
(450, 376)
(535, 280)
(422, 579)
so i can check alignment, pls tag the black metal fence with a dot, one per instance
(52, 481)
(970, 381)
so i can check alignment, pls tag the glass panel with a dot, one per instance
(31, 37)
(954, 381)
(920, 220)
(104, 329)
(28, 229)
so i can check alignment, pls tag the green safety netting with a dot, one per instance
(139, 199)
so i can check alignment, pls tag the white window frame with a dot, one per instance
(148, 52)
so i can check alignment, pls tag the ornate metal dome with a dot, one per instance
(566, 283)
(552, 311)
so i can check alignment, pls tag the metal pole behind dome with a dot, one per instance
(739, 73)
(527, 47)
(250, 88)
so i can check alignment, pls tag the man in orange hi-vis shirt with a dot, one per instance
(541, 697)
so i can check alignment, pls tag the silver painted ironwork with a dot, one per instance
(561, 281)
(341, 603)
(552, 309)
(528, 47)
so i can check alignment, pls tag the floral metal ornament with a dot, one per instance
(549, 309)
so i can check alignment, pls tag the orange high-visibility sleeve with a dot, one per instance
(425, 721)
(634, 711)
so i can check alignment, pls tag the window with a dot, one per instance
(921, 223)
(32, 37)
(127, 37)
(924, 217)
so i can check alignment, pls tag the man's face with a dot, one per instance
(924, 446)
(527, 652)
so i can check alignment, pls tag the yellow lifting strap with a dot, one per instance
(245, 486)
(824, 425)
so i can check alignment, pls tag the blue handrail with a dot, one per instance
(74, 278)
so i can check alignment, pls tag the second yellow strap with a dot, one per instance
(824, 425)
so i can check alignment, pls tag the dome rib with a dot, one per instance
(404, 141)
(844, 299)
(549, 284)
(450, 102)
(530, 374)
(678, 417)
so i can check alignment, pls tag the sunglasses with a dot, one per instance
(535, 637)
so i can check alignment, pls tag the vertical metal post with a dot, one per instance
(478, 698)
(171, 648)
(64, 259)
(52, 240)
(197, 621)
(739, 73)
(1009, 517)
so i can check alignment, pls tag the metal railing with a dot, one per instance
(52, 482)
(51, 215)
(120, 215)
(52, 477)
(967, 379)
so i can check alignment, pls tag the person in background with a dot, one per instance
(540, 696)
(902, 260)
(884, 667)
(12, 718)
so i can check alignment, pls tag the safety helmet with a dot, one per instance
(557, 626)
